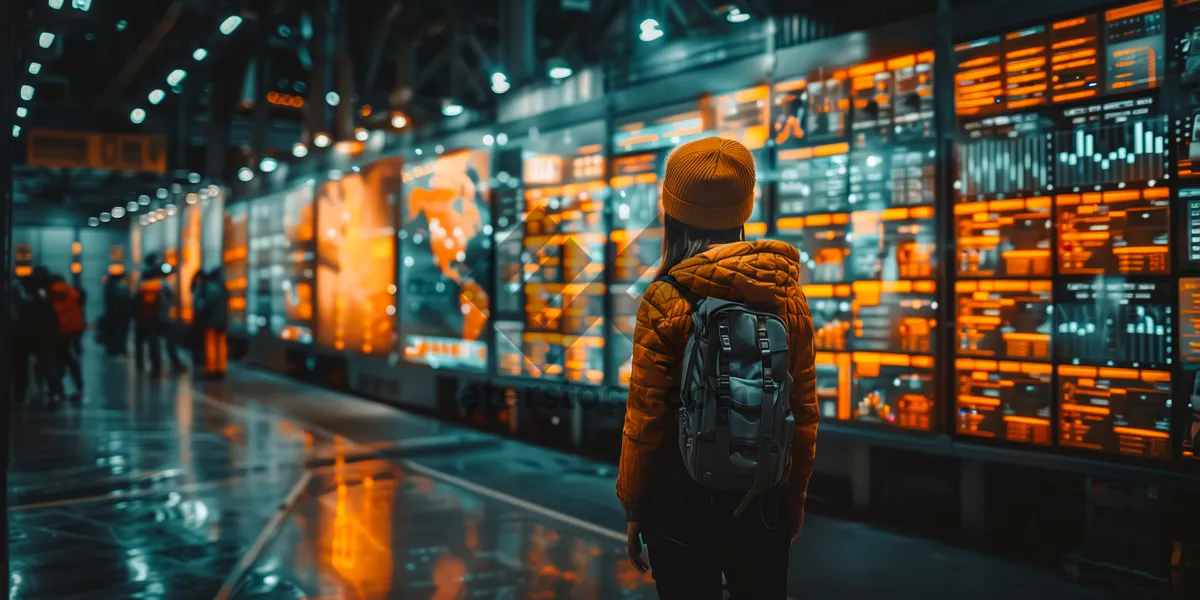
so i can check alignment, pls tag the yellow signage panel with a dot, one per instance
(114, 152)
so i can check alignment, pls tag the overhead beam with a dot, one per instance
(141, 56)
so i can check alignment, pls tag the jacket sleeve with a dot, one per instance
(647, 409)
(805, 410)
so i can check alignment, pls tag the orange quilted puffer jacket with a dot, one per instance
(762, 273)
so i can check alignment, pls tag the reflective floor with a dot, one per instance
(259, 487)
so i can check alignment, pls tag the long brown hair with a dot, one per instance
(682, 241)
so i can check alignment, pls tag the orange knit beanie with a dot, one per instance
(709, 184)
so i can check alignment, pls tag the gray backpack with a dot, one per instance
(735, 418)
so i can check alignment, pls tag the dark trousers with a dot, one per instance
(146, 341)
(67, 349)
(754, 562)
(148, 337)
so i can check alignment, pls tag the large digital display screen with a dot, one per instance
(1189, 357)
(1115, 410)
(1114, 322)
(282, 265)
(236, 262)
(1115, 142)
(1005, 319)
(1004, 238)
(1062, 226)
(1004, 400)
(856, 195)
(552, 243)
(1122, 50)
(1120, 232)
(445, 247)
(356, 250)
(893, 389)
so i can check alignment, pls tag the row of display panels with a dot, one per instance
(1064, 297)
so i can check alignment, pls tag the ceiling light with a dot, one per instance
(245, 174)
(35, 68)
(84, 5)
(192, 198)
(118, 212)
(559, 69)
(16, 131)
(650, 31)
(132, 206)
(122, 24)
(451, 108)
(22, 112)
(156, 96)
(322, 140)
(193, 178)
(56, 4)
(500, 83)
(229, 25)
(46, 39)
(439, 148)
(299, 150)
(105, 217)
(418, 151)
(268, 165)
(735, 15)
(489, 139)
(143, 200)
(502, 139)
(27, 92)
(170, 210)
(176, 188)
(213, 190)
(361, 134)
(92, 221)
(176, 76)
(399, 120)
(200, 54)
(137, 116)
(332, 98)
(162, 193)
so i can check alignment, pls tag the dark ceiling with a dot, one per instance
(407, 55)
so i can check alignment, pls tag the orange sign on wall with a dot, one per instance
(76, 150)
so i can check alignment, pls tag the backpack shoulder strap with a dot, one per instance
(692, 298)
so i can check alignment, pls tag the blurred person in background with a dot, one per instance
(214, 311)
(118, 310)
(196, 333)
(152, 307)
(38, 326)
(68, 344)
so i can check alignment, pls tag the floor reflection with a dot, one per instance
(369, 531)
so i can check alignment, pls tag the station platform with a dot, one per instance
(262, 487)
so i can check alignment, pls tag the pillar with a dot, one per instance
(517, 36)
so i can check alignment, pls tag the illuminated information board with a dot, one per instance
(855, 194)
(1065, 324)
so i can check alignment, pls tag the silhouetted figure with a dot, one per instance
(213, 308)
(68, 345)
(196, 343)
(151, 313)
(39, 323)
(118, 310)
